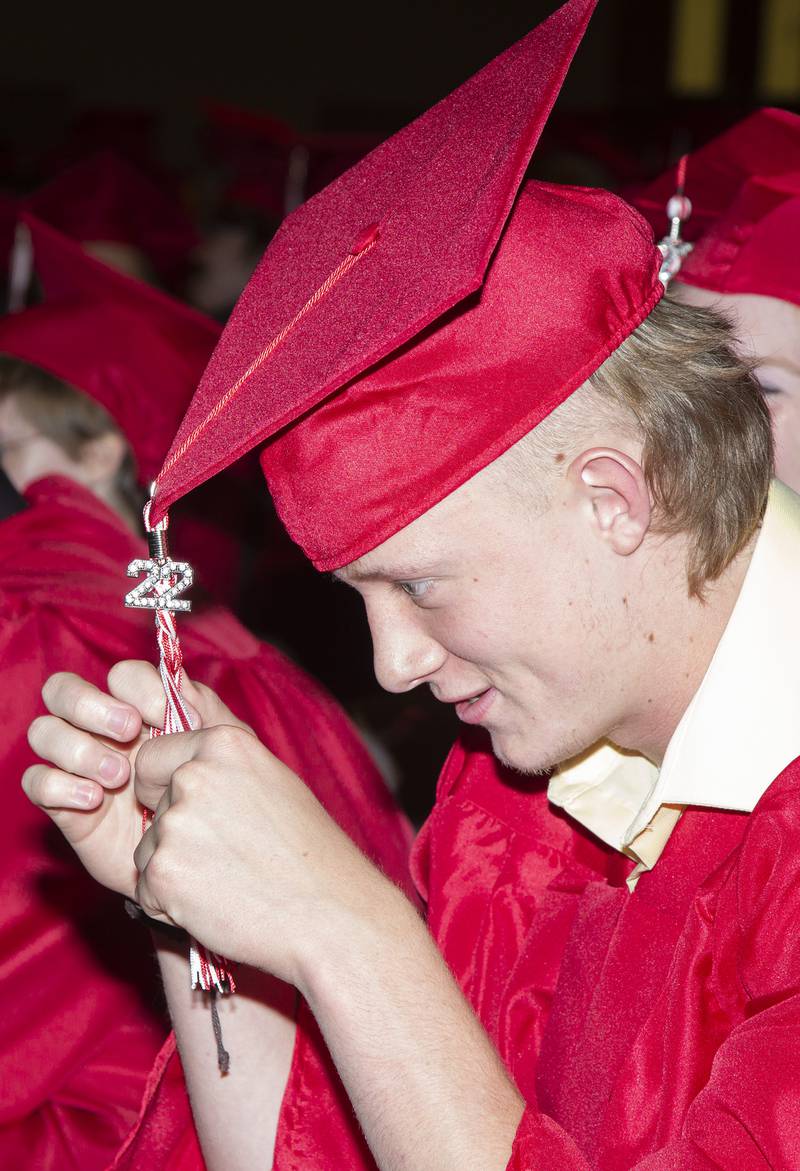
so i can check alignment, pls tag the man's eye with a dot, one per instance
(414, 589)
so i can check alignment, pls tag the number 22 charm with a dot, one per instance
(160, 589)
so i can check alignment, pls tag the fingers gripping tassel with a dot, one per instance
(160, 591)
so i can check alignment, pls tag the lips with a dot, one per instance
(474, 709)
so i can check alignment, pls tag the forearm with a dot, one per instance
(427, 1085)
(236, 1115)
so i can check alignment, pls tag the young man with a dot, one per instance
(552, 493)
(85, 1022)
(744, 189)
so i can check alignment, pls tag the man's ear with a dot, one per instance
(101, 459)
(613, 487)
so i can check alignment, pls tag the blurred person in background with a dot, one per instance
(92, 385)
(743, 189)
(223, 262)
(119, 215)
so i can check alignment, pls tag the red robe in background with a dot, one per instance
(653, 1031)
(83, 1020)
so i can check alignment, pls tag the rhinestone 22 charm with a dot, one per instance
(166, 579)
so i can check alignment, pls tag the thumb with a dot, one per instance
(210, 708)
(139, 684)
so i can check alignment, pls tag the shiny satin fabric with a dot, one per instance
(649, 1031)
(83, 1020)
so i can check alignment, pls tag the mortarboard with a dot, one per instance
(419, 315)
(105, 198)
(131, 348)
(744, 189)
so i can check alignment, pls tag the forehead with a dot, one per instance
(767, 326)
(462, 525)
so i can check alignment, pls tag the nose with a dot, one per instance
(405, 654)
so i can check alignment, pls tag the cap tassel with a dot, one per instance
(673, 247)
(20, 269)
(160, 591)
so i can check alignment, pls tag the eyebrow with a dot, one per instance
(780, 363)
(383, 573)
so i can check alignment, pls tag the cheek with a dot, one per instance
(491, 627)
(34, 461)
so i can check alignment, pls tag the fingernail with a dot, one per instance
(118, 721)
(110, 767)
(85, 795)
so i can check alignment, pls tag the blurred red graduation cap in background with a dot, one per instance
(105, 199)
(744, 188)
(272, 166)
(133, 349)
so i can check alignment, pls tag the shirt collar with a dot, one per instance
(741, 728)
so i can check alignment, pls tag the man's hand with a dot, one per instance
(91, 740)
(244, 857)
(240, 853)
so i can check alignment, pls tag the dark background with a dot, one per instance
(373, 66)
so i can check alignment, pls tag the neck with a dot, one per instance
(677, 646)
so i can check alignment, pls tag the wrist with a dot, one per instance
(165, 935)
(356, 940)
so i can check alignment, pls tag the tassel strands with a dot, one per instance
(160, 591)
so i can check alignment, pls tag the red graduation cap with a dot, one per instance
(131, 348)
(106, 198)
(744, 188)
(386, 349)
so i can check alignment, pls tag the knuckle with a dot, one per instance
(167, 830)
(38, 733)
(143, 756)
(224, 739)
(184, 778)
(201, 691)
(83, 756)
(54, 688)
(159, 873)
(145, 896)
(83, 706)
(130, 674)
(48, 787)
(30, 782)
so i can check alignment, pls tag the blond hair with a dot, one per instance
(677, 385)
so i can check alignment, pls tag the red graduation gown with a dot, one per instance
(82, 1023)
(648, 1031)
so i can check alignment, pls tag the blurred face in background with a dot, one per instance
(124, 258)
(223, 264)
(55, 430)
(26, 454)
(767, 330)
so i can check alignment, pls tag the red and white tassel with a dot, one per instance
(160, 591)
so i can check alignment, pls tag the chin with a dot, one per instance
(518, 753)
(521, 758)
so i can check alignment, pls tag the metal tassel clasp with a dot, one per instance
(166, 579)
